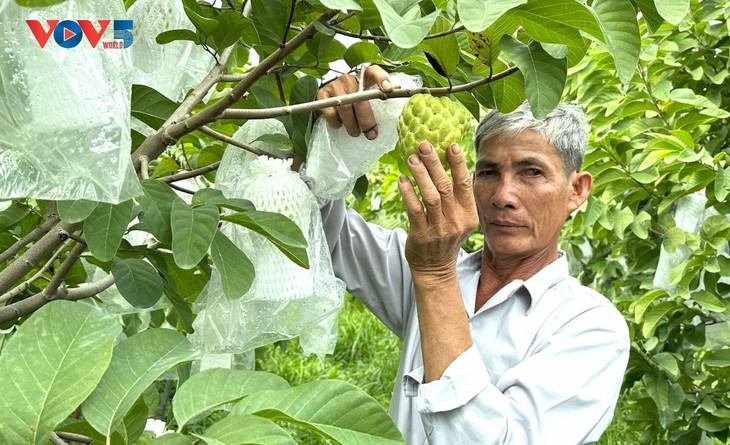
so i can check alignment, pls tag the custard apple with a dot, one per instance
(438, 120)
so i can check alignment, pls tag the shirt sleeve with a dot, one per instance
(565, 392)
(371, 262)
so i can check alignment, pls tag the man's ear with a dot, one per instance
(581, 184)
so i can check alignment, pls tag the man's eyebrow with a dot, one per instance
(483, 164)
(530, 161)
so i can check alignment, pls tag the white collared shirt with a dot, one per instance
(548, 354)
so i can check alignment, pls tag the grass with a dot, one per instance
(366, 355)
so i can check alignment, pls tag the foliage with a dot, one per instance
(661, 130)
(660, 141)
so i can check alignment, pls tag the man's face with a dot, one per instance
(523, 195)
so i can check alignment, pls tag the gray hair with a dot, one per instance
(565, 128)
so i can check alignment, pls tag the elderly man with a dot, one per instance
(500, 346)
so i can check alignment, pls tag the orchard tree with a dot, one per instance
(66, 374)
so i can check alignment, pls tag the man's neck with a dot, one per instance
(498, 272)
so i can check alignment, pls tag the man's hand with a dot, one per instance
(358, 117)
(447, 216)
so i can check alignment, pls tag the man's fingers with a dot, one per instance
(366, 119)
(375, 75)
(412, 204)
(462, 178)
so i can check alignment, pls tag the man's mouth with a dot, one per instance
(505, 224)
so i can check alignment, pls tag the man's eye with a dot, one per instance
(487, 173)
(533, 172)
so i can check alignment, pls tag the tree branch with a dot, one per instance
(29, 238)
(154, 145)
(347, 33)
(358, 97)
(62, 271)
(37, 253)
(222, 137)
(26, 284)
(35, 302)
(55, 440)
(190, 174)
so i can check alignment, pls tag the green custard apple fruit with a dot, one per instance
(438, 120)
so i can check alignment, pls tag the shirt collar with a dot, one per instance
(550, 275)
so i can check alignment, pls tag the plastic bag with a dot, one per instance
(172, 68)
(335, 159)
(64, 112)
(285, 300)
(689, 215)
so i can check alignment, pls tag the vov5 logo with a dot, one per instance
(69, 33)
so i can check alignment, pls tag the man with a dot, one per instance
(500, 346)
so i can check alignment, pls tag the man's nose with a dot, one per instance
(504, 195)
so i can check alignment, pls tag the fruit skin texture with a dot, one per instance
(438, 120)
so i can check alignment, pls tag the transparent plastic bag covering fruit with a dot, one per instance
(285, 300)
(172, 68)
(64, 112)
(335, 159)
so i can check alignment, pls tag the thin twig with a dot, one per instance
(66, 235)
(34, 235)
(190, 174)
(222, 137)
(38, 252)
(35, 302)
(73, 437)
(57, 440)
(26, 284)
(288, 24)
(358, 97)
(62, 271)
(144, 167)
(181, 189)
(347, 33)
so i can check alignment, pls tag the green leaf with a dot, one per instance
(544, 76)
(217, 198)
(105, 227)
(211, 388)
(618, 21)
(362, 52)
(718, 359)
(132, 425)
(279, 229)
(407, 31)
(231, 25)
(13, 214)
(477, 15)
(173, 439)
(352, 5)
(444, 49)
(38, 3)
(156, 204)
(506, 94)
(75, 211)
(654, 315)
(193, 230)
(246, 429)
(271, 20)
(650, 14)
(177, 34)
(668, 363)
(150, 106)
(709, 301)
(338, 410)
(136, 363)
(236, 270)
(138, 282)
(673, 11)
(49, 366)
(304, 90)
(205, 25)
(557, 21)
